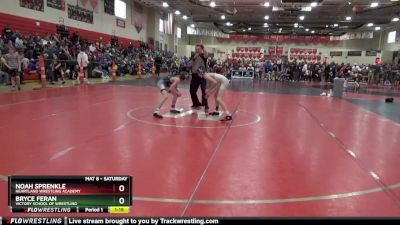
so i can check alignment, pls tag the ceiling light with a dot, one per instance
(312, 31)
(326, 26)
(314, 4)
(177, 12)
(335, 25)
(275, 8)
(249, 28)
(165, 5)
(370, 24)
(306, 9)
(266, 17)
(374, 4)
(192, 25)
(266, 4)
(212, 4)
(348, 18)
(301, 17)
(184, 17)
(265, 24)
(349, 3)
(307, 29)
(396, 19)
(296, 25)
(222, 17)
(377, 28)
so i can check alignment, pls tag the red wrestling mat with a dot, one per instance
(282, 155)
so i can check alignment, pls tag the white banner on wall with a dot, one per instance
(206, 32)
(355, 36)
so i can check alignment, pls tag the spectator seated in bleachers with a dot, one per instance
(250, 67)
(242, 68)
(127, 59)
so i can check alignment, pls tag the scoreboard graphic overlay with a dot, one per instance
(70, 194)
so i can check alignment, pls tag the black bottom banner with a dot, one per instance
(186, 220)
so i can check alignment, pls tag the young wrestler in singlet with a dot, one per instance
(219, 85)
(169, 85)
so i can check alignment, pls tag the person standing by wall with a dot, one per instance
(13, 65)
(158, 63)
(198, 67)
(4, 76)
(83, 60)
(49, 61)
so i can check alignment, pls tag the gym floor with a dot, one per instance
(288, 151)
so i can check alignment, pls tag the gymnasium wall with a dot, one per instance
(174, 44)
(103, 24)
(183, 42)
(390, 48)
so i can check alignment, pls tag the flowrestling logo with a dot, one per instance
(34, 220)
